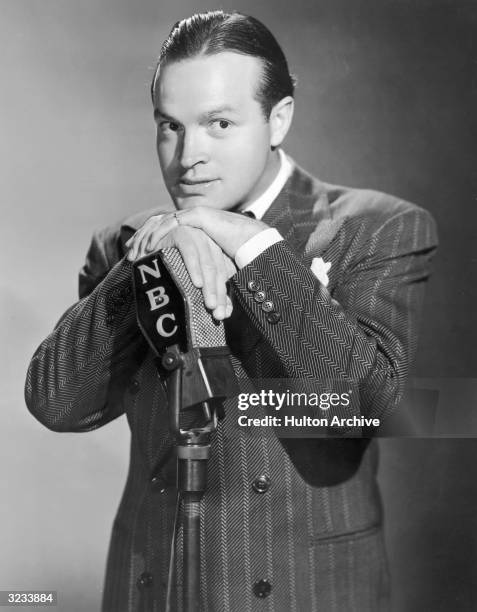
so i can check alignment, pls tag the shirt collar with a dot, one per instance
(260, 206)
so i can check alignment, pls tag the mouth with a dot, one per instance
(192, 182)
(195, 186)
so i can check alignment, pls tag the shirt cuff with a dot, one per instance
(256, 245)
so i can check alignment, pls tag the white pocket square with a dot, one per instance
(320, 269)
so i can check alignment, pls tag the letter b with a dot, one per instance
(157, 297)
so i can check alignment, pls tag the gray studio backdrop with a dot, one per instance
(384, 100)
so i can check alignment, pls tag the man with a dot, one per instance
(286, 525)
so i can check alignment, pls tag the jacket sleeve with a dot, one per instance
(77, 376)
(364, 332)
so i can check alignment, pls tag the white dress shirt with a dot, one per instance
(264, 239)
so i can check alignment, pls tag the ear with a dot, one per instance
(280, 120)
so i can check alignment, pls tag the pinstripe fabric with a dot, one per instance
(315, 534)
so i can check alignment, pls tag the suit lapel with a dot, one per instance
(303, 215)
(279, 216)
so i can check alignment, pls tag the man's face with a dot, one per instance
(213, 141)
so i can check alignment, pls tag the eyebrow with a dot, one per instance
(226, 108)
(158, 113)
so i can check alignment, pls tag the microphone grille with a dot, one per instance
(204, 330)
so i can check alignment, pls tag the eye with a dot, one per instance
(169, 126)
(220, 126)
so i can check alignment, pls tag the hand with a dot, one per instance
(209, 268)
(228, 230)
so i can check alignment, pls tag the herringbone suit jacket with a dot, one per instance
(287, 525)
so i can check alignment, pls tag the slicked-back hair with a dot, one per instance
(214, 32)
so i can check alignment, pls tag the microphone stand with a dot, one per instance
(193, 451)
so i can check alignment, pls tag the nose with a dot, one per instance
(192, 149)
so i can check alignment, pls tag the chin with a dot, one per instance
(190, 202)
(200, 200)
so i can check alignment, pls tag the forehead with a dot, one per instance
(205, 81)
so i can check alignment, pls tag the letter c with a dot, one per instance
(160, 325)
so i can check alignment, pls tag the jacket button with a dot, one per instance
(110, 319)
(261, 484)
(134, 387)
(262, 588)
(253, 286)
(268, 306)
(259, 296)
(273, 317)
(144, 581)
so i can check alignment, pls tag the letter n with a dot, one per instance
(143, 269)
